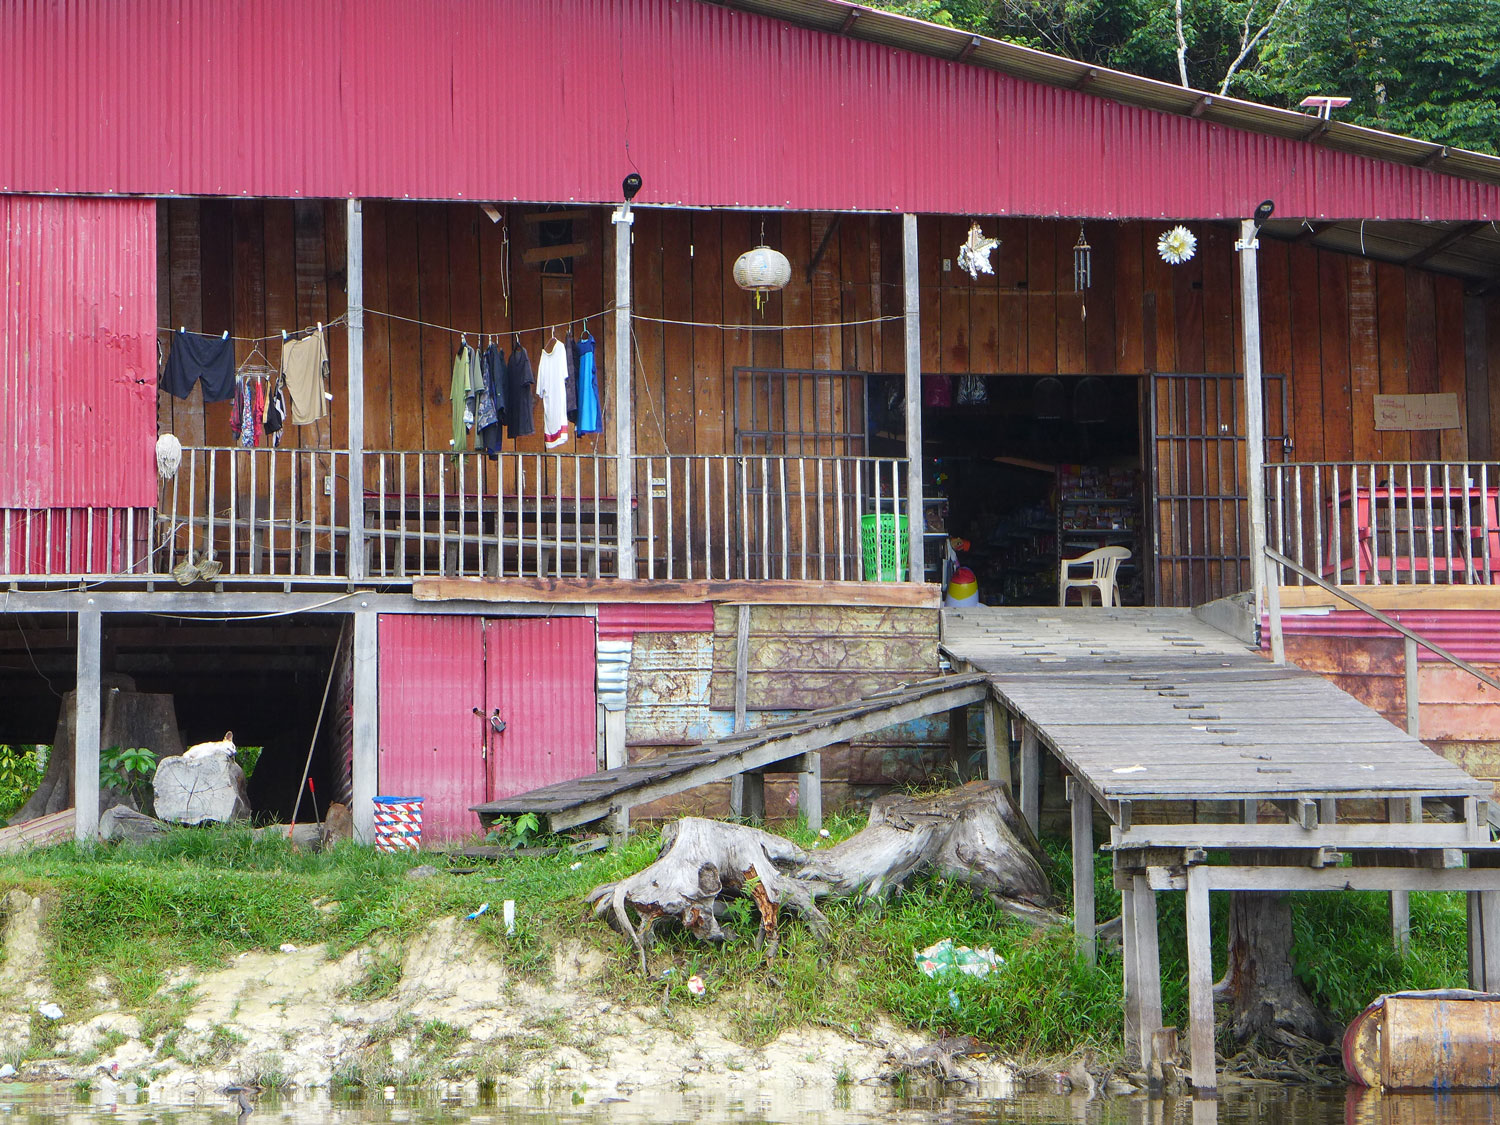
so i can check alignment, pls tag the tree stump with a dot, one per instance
(127, 718)
(974, 835)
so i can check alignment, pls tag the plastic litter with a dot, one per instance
(696, 986)
(51, 1011)
(823, 832)
(575, 866)
(483, 907)
(288, 947)
(509, 913)
(7, 1071)
(945, 957)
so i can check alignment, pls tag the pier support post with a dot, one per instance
(1083, 871)
(1135, 1050)
(86, 718)
(996, 743)
(365, 762)
(1399, 811)
(1147, 965)
(1200, 981)
(810, 789)
(958, 743)
(1031, 777)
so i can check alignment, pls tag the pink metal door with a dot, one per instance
(539, 681)
(432, 744)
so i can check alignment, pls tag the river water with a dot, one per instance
(1257, 1105)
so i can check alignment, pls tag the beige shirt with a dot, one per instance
(304, 362)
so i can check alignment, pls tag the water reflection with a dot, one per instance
(774, 1105)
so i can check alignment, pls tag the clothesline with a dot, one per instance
(636, 316)
(342, 318)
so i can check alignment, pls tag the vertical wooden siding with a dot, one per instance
(1341, 328)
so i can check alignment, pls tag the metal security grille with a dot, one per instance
(1201, 524)
(790, 411)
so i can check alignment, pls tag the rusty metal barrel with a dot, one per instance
(1447, 1039)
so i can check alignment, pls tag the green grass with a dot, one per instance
(195, 897)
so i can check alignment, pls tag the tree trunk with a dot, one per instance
(1266, 1001)
(973, 835)
(127, 718)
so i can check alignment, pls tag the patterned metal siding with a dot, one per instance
(539, 675)
(431, 679)
(554, 100)
(77, 357)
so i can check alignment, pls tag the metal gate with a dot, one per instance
(1200, 510)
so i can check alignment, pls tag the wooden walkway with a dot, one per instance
(1190, 742)
(792, 746)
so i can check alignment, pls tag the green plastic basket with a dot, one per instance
(883, 537)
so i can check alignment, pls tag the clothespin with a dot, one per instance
(183, 328)
(283, 335)
(320, 328)
(226, 335)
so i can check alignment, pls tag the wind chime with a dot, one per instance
(1083, 270)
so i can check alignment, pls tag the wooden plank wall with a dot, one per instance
(1341, 328)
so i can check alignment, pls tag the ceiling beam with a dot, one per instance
(968, 49)
(1462, 231)
(1311, 231)
(1438, 154)
(1201, 105)
(1086, 79)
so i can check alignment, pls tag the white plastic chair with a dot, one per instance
(1103, 564)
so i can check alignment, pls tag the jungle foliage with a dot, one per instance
(1426, 68)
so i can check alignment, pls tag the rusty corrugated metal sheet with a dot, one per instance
(539, 677)
(623, 621)
(555, 101)
(1470, 634)
(77, 352)
(431, 743)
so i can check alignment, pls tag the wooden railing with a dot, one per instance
(1374, 523)
(759, 516)
(262, 513)
(284, 515)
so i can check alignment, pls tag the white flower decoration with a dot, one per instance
(1177, 245)
(974, 255)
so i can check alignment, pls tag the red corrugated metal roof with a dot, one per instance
(557, 100)
(77, 352)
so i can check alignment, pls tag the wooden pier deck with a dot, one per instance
(792, 745)
(1190, 743)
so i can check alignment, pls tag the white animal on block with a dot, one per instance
(207, 749)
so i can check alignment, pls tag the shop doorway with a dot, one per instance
(1022, 472)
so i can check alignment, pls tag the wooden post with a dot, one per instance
(754, 789)
(1083, 871)
(365, 779)
(958, 742)
(86, 725)
(624, 426)
(810, 789)
(1031, 777)
(354, 267)
(916, 562)
(1484, 914)
(1135, 1050)
(1397, 812)
(1255, 422)
(1278, 634)
(996, 743)
(1200, 981)
(615, 753)
(1148, 965)
(741, 702)
(1413, 693)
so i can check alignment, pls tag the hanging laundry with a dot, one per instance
(249, 409)
(518, 383)
(572, 346)
(489, 434)
(494, 378)
(304, 366)
(552, 389)
(462, 393)
(273, 419)
(590, 419)
(195, 356)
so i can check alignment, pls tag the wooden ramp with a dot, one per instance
(1190, 742)
(791, 745)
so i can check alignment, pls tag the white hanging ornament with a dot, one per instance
(168, 456)
(762, 270)
(1177, 245)
(974, 254)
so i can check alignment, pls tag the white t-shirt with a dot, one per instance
(552, 389)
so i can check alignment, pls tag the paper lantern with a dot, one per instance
(761, 271)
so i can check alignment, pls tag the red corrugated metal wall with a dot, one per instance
(537, 673)
(469, 99)
(77, 354)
